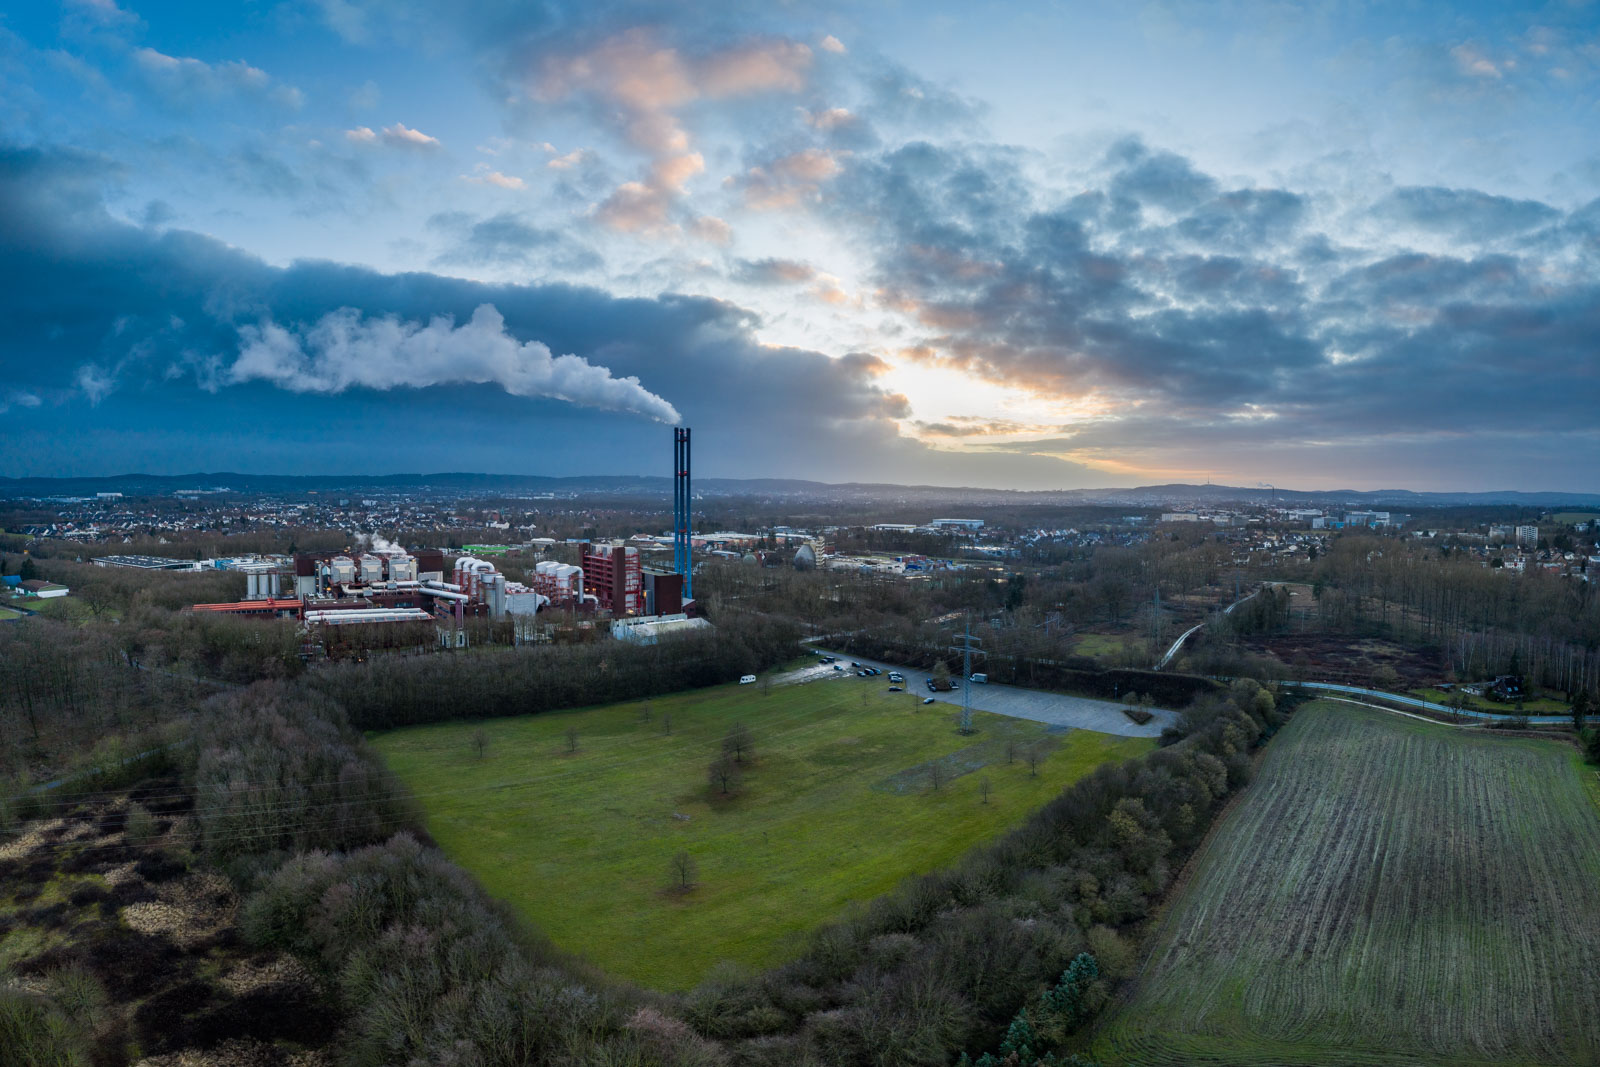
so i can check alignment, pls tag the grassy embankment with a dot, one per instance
(1388, 892)
(1534, 706)
(838, 806)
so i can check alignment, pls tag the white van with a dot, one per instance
(748, 679)
(979, 678)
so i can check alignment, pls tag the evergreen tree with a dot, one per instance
(1019, 1038)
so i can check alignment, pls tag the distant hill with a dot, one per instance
(1172, 496)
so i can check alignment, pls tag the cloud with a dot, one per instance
(185, 81)
(832, 44)
(967, 426)
(509, 238)
(1221, 325)
(18, 398)
(574, 158)
(149, 311)
(786, 182)
(482, 175)
(402, 136)
(346, 350)
(1464, 214)
(772, 272)
(711, 230)
(361, 135)
(1471, 61)
(644, 83)
(1163, 179)
(105, 12)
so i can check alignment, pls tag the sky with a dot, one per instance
(1024, 245)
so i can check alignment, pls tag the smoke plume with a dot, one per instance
(345, 351)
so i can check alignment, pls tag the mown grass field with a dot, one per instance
(1388, 892)
(837, 807)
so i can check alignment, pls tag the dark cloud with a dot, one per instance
(1163, 179)
(1465, 214)
(1244, 218)
(127, 334)
(1257, 334)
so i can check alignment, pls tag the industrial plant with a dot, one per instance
(386, 584)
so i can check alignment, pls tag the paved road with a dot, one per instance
(1056, 709)
(1426, 705)
(1173, 651)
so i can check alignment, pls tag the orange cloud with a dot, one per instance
(786, 182)
(647, 82)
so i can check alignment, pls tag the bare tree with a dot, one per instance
(480, 742)
(1011, 750)
(984, 789)
(1034, 754)
(683, 871)
(723, 775)
(572, 739)
(644, 712)
(739, 744)
(936, 775)
(766, 685)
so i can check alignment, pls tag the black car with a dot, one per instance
(896, 689)
(931, 687)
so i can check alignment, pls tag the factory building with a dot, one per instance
(649, 630)
(255, 609)
(342, 573)
(614, 575)
(663, 593)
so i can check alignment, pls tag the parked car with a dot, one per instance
(896, 689)
(931, 687)
(896, 676)
(979, 678)
(837, 667)
(863, 673)
(927, 700)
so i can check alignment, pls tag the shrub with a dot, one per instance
(36, 1032)
(140, 827)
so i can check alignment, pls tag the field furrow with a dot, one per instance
(1389, 892)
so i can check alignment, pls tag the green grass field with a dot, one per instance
(1570, 517)
(1099, 646)
(838, 807)
(7, 613)
(1388, 892)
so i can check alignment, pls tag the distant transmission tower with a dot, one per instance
(966, 650)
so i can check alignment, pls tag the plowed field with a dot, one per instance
(1388, 892)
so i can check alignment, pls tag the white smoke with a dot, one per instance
(344, 351)
(379, 545)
